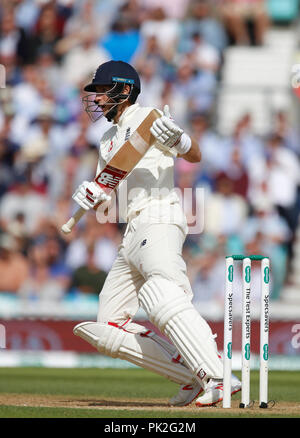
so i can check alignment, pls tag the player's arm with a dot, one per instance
(165, 130)
(194, 154)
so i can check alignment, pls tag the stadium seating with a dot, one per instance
(256, 80)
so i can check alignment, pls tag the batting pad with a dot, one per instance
(145, 349)
(171, 310)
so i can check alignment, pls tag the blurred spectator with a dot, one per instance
(229, 157)
(13, 72)
(186, 176)
(271, 230)
(26, 14)
(149, 53)
(49, 28)
(42, 27)
(76, 159)
(277, 179)
(172, 8)
(246, 21)
(8, 152)
(206, 56)
(203, 19)
(243, 138)
(10, 34)
(122, 41)
(13, 265)
(17, 229)
(283, 127)
(85, 19)
(213, 149)
(82, 60)
(133, 12)
(152, 84)
(198, 86)
(40, 284)
(56, 263)
(49, 69)
(166, 31)
(207, 283)
(45, 146)
(33, 89)
(105, 240)
(225, 211)
(88, 279)
(237, 174)
(22, 198)
(206, 270)
(191, 91)
(36, 146)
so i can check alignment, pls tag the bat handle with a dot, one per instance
(67, 227)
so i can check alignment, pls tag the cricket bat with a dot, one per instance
(121, 164)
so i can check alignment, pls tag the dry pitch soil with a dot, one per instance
(280, 408)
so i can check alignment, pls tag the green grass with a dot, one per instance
(85, 381)
(123, 393)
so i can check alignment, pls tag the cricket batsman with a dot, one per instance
(149, 270)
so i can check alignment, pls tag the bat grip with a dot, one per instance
(67, 227)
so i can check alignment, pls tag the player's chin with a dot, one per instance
(104, 111)
(110, 114)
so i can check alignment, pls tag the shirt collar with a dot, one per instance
(128, 112)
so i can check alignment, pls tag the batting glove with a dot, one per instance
(169, 134)
(89, 194)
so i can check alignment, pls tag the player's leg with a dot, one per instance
(166, 297)
(114, 334)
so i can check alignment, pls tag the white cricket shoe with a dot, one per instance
(186, 394)
(214, 391)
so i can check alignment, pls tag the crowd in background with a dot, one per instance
(48, 146)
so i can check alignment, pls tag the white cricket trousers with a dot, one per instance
(150, 271)
(148, 250)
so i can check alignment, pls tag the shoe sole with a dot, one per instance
(188, 403)
(201, 405)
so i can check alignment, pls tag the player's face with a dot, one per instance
(102, 103)
(98, 103)
(101, 98)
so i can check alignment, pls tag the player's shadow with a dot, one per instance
(117, 403)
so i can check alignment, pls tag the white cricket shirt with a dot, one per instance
(149, 189)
